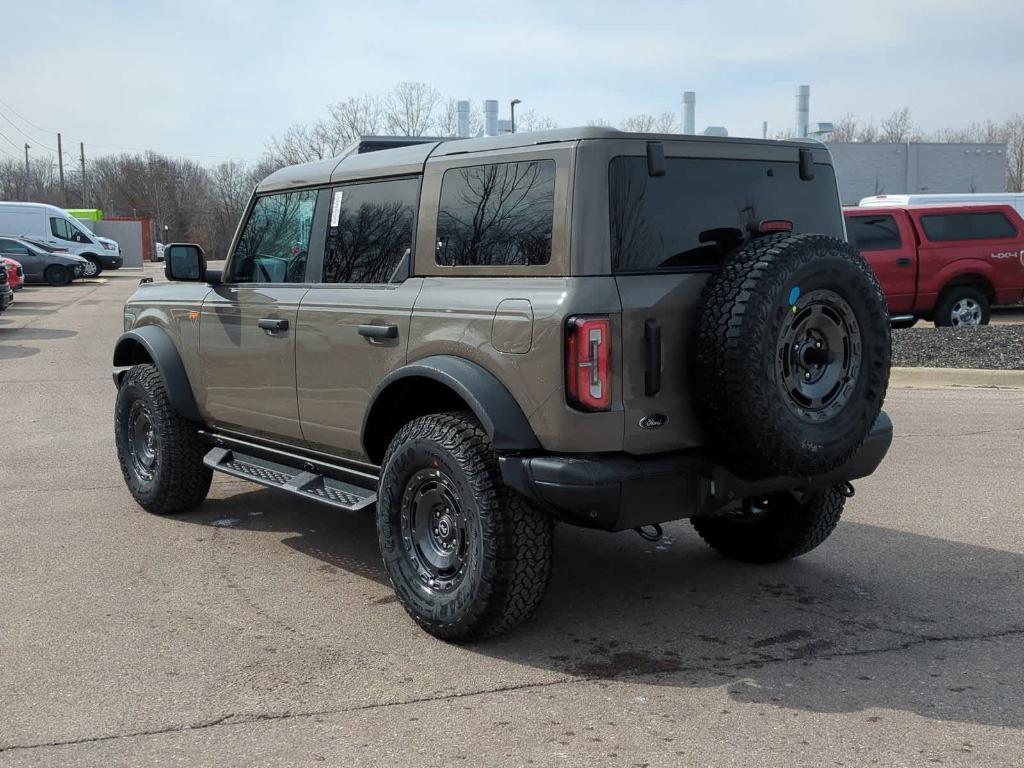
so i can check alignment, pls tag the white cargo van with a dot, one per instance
(1016, 199)
(57, 227)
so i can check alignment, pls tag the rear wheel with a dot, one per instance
(57, 274)
(160, 453)
(777, 527)
(962, 306)
(468, 558)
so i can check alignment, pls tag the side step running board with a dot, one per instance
(326, 490)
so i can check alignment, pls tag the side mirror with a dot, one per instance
(184, 261)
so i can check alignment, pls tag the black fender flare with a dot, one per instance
(490, 401)
(161, 350)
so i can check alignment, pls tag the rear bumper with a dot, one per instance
(617, 492)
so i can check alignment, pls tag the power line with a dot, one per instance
(34, 125)
(31, 138)
(107, 146)
(9, 141)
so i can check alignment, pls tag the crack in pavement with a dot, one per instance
(246, 719)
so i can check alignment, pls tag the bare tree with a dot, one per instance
(649, 123)
(844, 130)
(1013, 135)
(868, 133)
(356, 116)
(898, 128)
(531, 120)
(409, 110)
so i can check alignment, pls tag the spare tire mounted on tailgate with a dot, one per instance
(792, 354)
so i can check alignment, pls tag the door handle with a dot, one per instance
(903, 261)
(379, 331)
(273, 324)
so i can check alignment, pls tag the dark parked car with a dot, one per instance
(6, 294)
(41, 265)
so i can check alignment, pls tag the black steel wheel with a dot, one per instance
(820, 353)
(434, 524)
(775, 527)
(160, 453)
(468, 558)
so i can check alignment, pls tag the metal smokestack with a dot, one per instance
(689, 112)
(462, 112)
(803, 110)
(491, 117)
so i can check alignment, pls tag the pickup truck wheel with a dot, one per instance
(962, 307)
(468, 557)
(777, 527)
(792, 355)
(160, 453)
(57, 274)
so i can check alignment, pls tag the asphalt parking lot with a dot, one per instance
(261, 630)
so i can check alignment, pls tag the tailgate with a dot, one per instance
(658, 314)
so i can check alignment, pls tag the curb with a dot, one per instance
(955, 377)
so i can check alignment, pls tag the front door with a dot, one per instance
(886, 240)
(353, 327)
(248, 324)
(31, 263)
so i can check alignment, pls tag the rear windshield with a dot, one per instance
(701, 209)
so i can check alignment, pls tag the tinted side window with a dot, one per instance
(370, 234)
(967, 226)
(11, 247)
(274, 243)
(496, 215)
(60, 228)
(873, 233)
(702, 208)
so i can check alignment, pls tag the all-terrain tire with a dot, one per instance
(506, 542)
(175, 480)
(783, 528)
(757, 297)
(974, 301)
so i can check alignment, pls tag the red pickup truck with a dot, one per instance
(944, 263)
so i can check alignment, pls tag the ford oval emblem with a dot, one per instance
(653, 421)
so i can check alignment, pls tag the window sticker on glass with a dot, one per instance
(336, 206)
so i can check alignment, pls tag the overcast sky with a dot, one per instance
(215, 79)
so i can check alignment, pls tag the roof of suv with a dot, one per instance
(371, 156)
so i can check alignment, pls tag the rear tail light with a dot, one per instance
(588, 363)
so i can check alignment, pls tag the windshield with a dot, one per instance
(703, 208)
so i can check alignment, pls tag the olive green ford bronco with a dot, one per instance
(478, 338)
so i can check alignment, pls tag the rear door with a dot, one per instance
(887, 240)
(353, 325)
(248, 323)
(668, 232)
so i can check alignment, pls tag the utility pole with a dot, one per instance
(81, 150)
(26, 169)
(60, 165)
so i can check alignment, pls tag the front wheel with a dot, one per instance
(93, 268)
(160, 453)
(777, 527)
(468, 558)
(57, 275)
